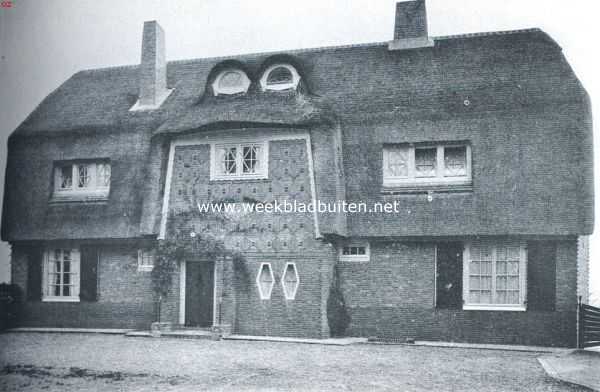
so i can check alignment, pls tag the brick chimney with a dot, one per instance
(410, 29)
(153, 68)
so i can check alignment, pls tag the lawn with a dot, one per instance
(74, 362)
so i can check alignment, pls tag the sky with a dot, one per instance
(42, 43)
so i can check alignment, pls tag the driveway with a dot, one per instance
(73, 362)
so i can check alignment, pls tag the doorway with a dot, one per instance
(199, 294)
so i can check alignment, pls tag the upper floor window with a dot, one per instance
(61, 275)
(239, 160)
(426, 164)
(231, 81)
(82, 178)
(494, 275)
(280, 77)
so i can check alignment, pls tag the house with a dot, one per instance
(479, 144)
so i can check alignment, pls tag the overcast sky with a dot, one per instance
(42, 43)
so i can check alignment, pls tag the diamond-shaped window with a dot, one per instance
(290, 281)
(265, 281)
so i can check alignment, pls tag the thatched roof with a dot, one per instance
(513, 77)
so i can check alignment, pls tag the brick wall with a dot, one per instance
(125, 298)
(274, 238)
(393, 296)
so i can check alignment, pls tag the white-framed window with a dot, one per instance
(265, 280)
(145, 260)
(239, 160)
(61, 277)
(231, 81)
(442, 164)
(280, 77)
(355, 251)
(82, 178)
(290, 281)
(495, 275)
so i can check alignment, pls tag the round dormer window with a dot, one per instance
(280, 77)
(232, 81)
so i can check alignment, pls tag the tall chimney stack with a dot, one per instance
(153, 68)
(410, 29)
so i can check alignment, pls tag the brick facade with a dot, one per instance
(510, 99)
(393, 296)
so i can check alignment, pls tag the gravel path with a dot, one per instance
(70, 362)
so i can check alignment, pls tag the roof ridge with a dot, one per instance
(317, 48)
(490, 33)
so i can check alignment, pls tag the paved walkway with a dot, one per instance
(581, 367)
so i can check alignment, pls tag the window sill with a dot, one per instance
(496, 308)
(397, 189)
(60, 299)
(65, 199)
(354, 260)
(145, 269)
(240, 178)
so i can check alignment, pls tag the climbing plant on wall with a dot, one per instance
(337, 314)
(182, 243)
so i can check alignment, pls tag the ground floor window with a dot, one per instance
(145, 260)
(494, 275)
(290, 281)
(61, 275)
(265, 281)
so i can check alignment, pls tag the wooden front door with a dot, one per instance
(449, 275)
(199, 293)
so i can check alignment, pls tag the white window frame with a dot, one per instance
(145, 254)
(94, 190)
(75, 272)
(243, 88)
(439, 179)
(266, 295)
(283, 286)
(283, 86)
(355, 258)
(215, 175)
(522, 306)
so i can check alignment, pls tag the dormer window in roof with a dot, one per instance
(230, 82)
(280, 77)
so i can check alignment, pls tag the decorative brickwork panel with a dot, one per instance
(248, 232)
(276, 238)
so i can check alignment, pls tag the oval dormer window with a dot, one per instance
(280, 77)
(229, 82)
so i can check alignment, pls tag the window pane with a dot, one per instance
(425, 162)
(280, 75)
(228, 157)
(290, 281)
(397, 162)
(250, 159)
(103, 175)
(231, 79)
(455, 161)
(66, 177)
(265, 280)
(83, 176)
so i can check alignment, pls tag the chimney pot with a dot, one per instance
(410, 29)
(153, 68)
